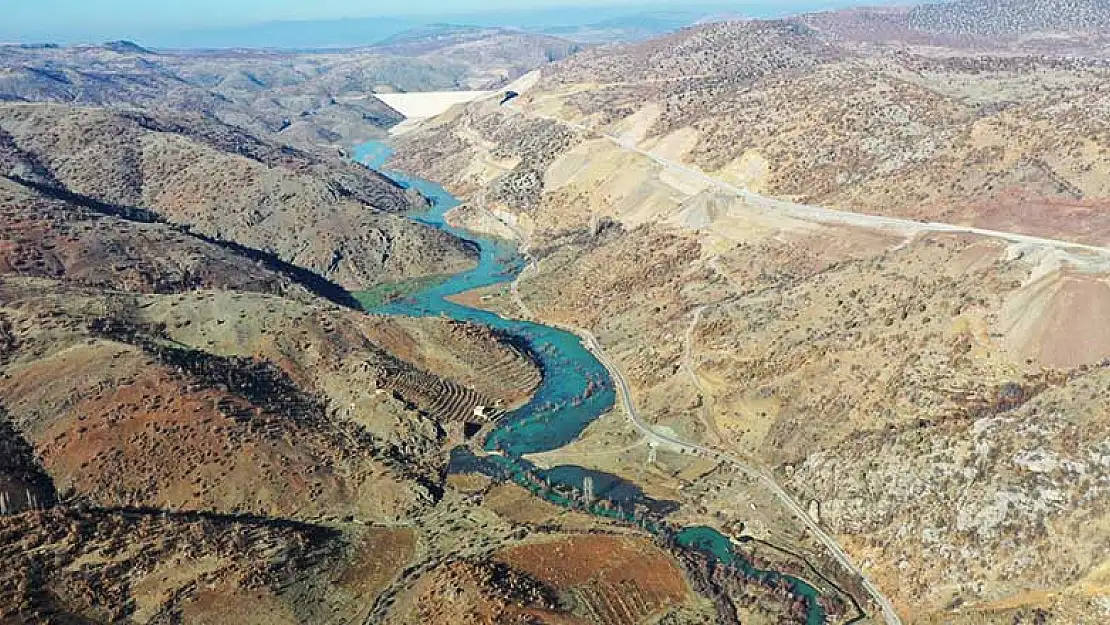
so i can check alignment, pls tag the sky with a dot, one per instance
(176, 22)
(36, 16)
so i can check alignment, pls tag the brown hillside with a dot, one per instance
(334, 220)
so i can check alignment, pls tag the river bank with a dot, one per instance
(577, 388)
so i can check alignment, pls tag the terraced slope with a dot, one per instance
(193, 430)
(212, 419)
(567, 580)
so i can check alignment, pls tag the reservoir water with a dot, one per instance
(576, 389)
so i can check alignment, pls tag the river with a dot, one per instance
(576, 389)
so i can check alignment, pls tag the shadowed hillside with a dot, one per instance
(331, 218)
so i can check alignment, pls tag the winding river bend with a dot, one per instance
(576, 389)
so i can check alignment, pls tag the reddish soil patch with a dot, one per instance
(155, 442)
(1084, 221)
(479, 593)
(377, 559)
(616, 580)
(155, 438)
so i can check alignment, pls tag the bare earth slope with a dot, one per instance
(913, 134)
(199, 437)
(194, 430)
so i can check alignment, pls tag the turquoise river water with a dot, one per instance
(576, 389)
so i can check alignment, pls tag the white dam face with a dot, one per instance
(422, 105)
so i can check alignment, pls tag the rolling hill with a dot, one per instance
(330, 217)
(313, 100)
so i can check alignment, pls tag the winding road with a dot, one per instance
(759, 475)
(688, 365)
(817, 214)
(806, 213)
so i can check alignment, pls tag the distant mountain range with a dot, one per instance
(308, 99)
(628, 22)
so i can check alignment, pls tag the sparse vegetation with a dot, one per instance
(864, 365)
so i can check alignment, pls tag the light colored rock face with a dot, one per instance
(984, 509)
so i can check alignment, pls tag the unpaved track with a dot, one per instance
(688, 365)
(890, 615)
(762, 477)
(806, 213)
(759, 475)
(819, 214)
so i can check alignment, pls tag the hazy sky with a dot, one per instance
(177, 22)
(46, 15)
